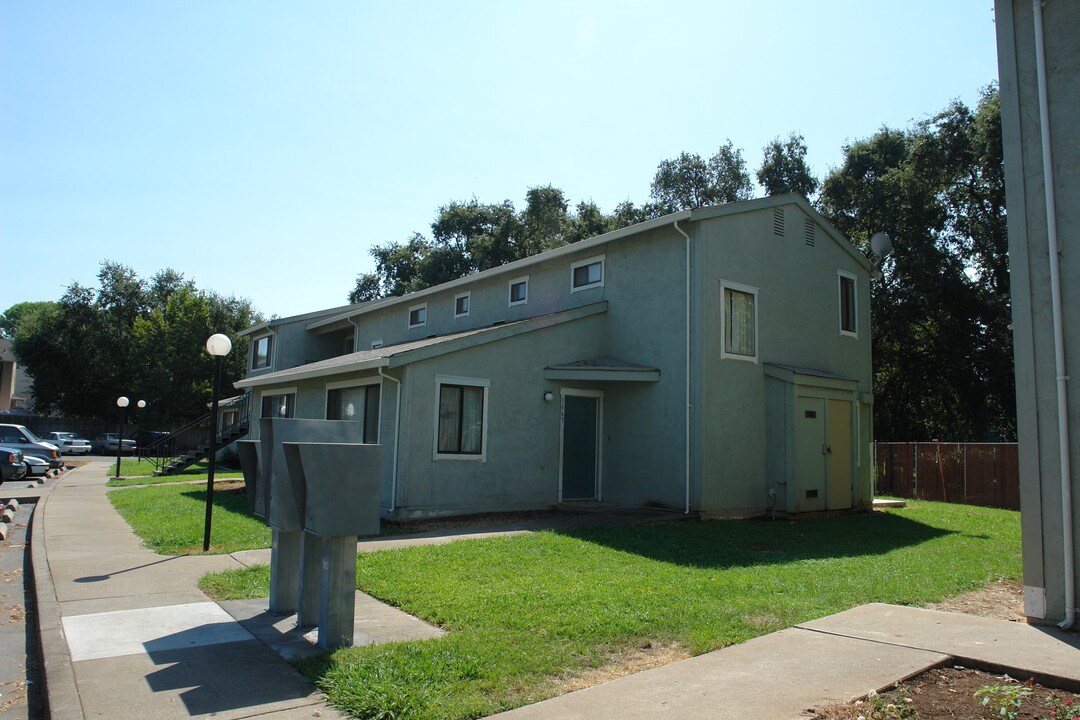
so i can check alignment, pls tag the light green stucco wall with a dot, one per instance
(798, 325)
(1036, 403)
(644, 423)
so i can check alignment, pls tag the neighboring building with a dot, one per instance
(713, 360)
(15, 385)
(1047, 404)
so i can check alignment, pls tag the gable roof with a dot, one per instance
(390, 356)
(341, 320)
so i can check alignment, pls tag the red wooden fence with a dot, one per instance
(970, 473)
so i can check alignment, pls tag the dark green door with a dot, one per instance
(580, 451)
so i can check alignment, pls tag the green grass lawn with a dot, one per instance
(527, 613)
(169, 519)
(141, 472)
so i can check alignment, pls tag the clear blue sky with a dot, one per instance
(261, 148)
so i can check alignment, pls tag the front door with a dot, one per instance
(580, 465)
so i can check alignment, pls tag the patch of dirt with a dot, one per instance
(949, 694)
(1002, 600)
(644, 657)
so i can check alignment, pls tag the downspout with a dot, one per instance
(688, 402)
(397, 422)
(397, 434)
(1067, 535)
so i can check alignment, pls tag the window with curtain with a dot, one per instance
(359, 404)
(461, 419)
(740, 323)
(278, 406)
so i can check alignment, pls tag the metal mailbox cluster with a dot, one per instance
(317, 486)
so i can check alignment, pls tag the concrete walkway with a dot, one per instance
(126, 633)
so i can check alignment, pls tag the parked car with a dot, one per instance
(68, 442)
(31, 445)
(105, 444)
(12, 466)
(145, 438)
(35, 466)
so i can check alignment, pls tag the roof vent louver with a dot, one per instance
(778, 222)
(809, 233)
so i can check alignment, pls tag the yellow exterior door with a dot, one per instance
(839, 456)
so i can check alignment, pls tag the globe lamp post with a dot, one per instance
(121, 402)
(218, 346)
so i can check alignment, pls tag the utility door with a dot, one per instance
(579, 477)
(839, 457)
(810, 453)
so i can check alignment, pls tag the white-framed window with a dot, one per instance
(518, 291)
(461, 411)
(350, 344)
(418, 316)
(262, 349)
(848, 296)
(738, 321)
(586, 274)
(462, 301)
(279, 403)
(356, 400)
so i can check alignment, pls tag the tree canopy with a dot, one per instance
(942, 344)
(784, 168)
(128, 336)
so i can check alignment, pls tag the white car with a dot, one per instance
(35, 467)
(68, 442)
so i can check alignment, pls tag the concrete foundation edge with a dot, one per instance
(60, 693)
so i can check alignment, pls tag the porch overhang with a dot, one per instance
(602, 370)
(811, 377)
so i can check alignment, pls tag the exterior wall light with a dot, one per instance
(549, 396)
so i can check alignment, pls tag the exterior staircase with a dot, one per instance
(191, 443)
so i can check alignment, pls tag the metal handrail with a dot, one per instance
(192, 441)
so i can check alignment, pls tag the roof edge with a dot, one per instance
(512, 267)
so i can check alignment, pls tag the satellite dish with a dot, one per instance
(880, 244)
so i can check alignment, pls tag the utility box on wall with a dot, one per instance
(813, 441)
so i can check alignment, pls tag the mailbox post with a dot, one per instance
(341, 501)
(284, 497)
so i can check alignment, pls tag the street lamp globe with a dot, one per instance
(122, 402)
(141, 404)
(218, 345)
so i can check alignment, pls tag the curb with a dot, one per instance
(59, 694)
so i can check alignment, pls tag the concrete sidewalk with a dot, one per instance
(126, 633)
(834, 659)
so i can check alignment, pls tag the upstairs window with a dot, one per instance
(461, 305)
(261, 352)
(519, 291)
(739, 322)
(848, 306)
(418, 316)
(587, 274)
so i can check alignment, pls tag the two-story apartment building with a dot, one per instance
(713, 360)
